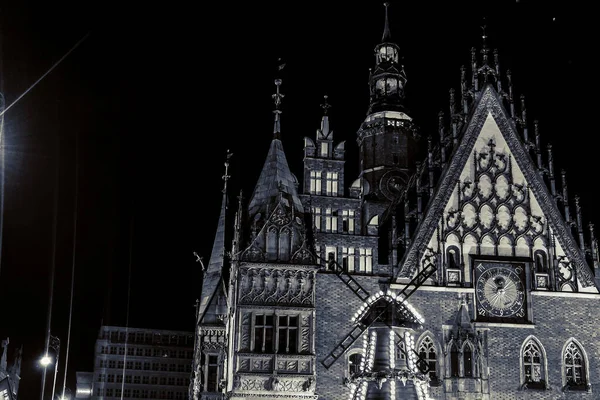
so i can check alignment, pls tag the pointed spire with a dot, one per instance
(463, 319)
(386, 28)
(213, 272)
(277, 97)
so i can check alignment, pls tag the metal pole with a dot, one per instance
(43, 380)
(55, 373)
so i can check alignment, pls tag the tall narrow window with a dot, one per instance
(332, 184)
(212, 373)
(331, 252)
(428, 354)
(348, 221)
(330, 220)
(263, 333)
(348, 259)
(272, 244)
(315, 182)
(284, 245)
(540, 262)
(452, 257)
(533, 362)
(317, 218)
(574, 364)
(468, 360)
(287, 332)
(324, 149)
(365, 263)
(454, 362)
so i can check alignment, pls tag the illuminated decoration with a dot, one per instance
(409, 310)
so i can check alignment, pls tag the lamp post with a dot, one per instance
(46, 360)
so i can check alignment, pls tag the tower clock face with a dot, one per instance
(500, 291)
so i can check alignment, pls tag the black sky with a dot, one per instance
(154, 97)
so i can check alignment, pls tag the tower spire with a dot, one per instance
(386, 28)
(277, 96)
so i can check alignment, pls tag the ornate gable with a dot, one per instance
(491, 201)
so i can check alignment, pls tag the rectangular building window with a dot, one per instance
(332, 184)
(330, 220)
(287, 332)
(348, 259)
(263, 333)
(365, 261)
(331, 251)
(212, 373)
(315, 182)
(316, 211)
(324, 149)
(348, 221)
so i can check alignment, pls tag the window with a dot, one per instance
(452, 257)
(332, 184)
(287, 332)
(348, 259)
(428, 354)
(365, 263)
(263, 333)
(348, 221)
(330, 220)
(324, 149)
(467, 360)
(331, 252)
(315, 182)
(354, 362)
(454, 363)
(212, 373)
(575, 371)
(533, 365)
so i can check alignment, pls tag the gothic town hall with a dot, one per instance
(454, 266)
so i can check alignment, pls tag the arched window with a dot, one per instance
(541, 264)
(467, 360)
(272, 244)
(533, 365)
(574, 367)
(354, 363)
(429, 355)
(452, 257)
(284, 245)
(454, 360)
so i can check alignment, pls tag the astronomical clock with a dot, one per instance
(500, 290)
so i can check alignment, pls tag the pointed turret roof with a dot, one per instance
(275, 177)
(214, 271)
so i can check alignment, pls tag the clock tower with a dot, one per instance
(387, 137)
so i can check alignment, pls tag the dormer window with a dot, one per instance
(324, 149)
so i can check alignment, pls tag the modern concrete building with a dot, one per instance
(454, 266)
(139, 364)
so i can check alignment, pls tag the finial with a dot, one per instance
(325, 106)
(484, 49)
(277, 97)
(226, 176)
(386, 29)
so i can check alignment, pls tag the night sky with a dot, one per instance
(139, 116)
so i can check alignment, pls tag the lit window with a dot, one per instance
(317, 218)
(348, 221)
(348, 259)
(332, 183)
(365, 263)
(315, 182)
(330, 220)
(324, 149)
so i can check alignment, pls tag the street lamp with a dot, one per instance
(46, 360)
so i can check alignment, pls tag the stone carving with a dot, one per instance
(285, 286)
